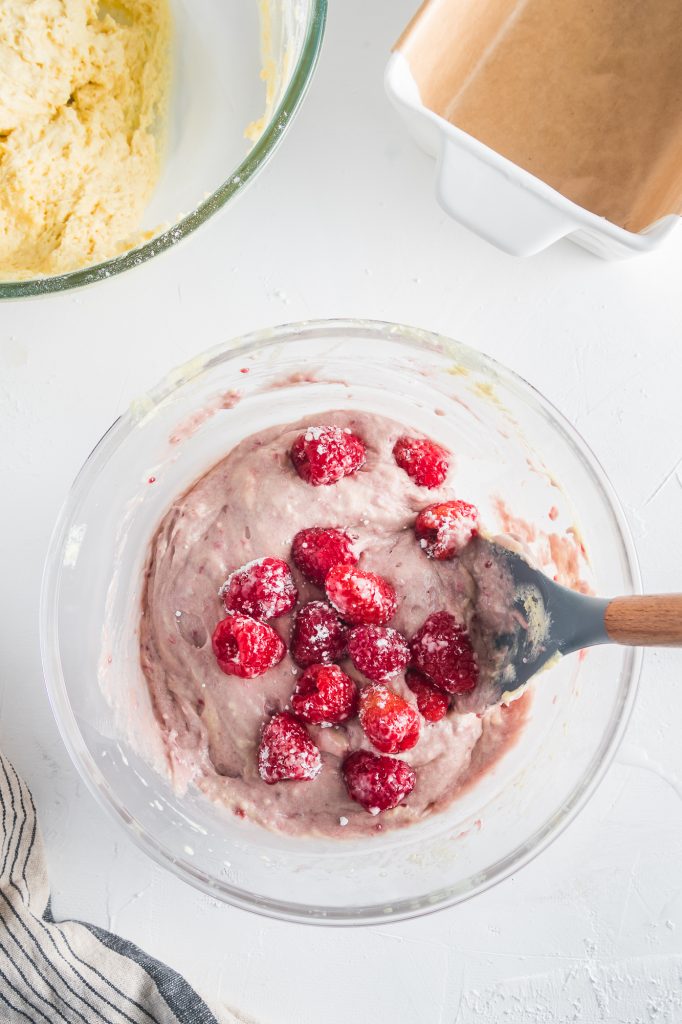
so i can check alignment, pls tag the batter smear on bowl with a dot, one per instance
(318, 630)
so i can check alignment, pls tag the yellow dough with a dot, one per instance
(83, 89)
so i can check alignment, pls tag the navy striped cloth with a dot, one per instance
(71, 973)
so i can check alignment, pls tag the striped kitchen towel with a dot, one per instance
(70, 973)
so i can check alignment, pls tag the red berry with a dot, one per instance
(389, 722)
(442, 650)
(323, 455)
(286, 751)
(325, 695)
(245, 647)
(433, 703)
(318, 636)
(263, 589)
(379, 652)
(425, 461)
(316, 550)
(361, 598)
(377, 783)
(444, 530)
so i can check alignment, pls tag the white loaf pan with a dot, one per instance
(497, 199)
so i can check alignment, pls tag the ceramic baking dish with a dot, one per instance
(434, 63)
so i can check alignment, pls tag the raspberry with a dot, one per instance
(425, 461)
(263, 589)
(323, 455)
(433, 703)
(318, 636)
(361, 598)
(444, 530)
(442, 650)
(325, 695)
(316, 550)
(286, 751)
(377, 783)
(379, 652)
(245, 647)
(389, 722)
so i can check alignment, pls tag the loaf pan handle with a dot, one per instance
(478, 190)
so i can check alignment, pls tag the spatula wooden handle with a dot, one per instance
(653, 621)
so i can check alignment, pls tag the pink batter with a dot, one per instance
(251, 505)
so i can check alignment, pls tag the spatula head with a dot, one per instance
(547, 620)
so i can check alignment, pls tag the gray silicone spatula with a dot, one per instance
(552, 620)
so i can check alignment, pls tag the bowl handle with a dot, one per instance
(483, 197)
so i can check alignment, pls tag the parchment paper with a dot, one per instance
(585, 94)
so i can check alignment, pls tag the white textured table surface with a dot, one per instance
(343, 223)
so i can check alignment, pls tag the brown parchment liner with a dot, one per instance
(584, 94)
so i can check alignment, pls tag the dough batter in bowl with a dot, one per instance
(237, 68)
(249, 506)
(83, 94)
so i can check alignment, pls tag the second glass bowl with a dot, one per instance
(91, 600)
(223, 49)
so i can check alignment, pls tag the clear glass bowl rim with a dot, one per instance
(420, 341)
(241, 176)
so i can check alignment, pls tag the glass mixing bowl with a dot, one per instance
(223, 50)
(519, 447)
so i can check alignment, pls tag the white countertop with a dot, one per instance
(343, 222)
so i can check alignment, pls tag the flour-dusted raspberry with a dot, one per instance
(316, 550)
(442, 650)
(325, 695)
(423, 460)
(246, 647)
(324, 455)
(433, 703)
(390, 723)
(377, 783)
(318, 636)
(445, 529)
(286, 751)
(263, 589)
(361, 598)
(379, 652)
